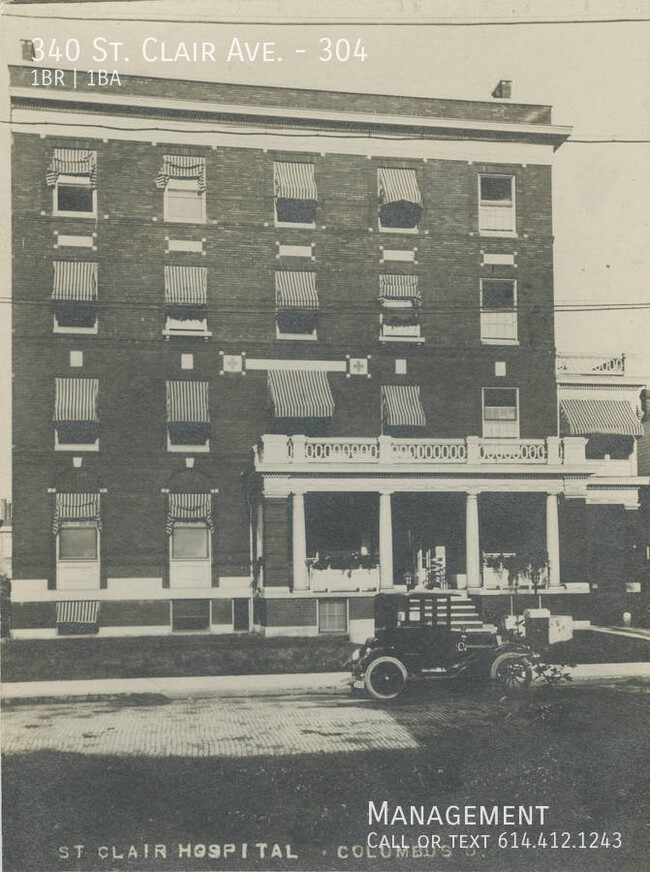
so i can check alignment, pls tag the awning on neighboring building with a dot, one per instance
(186, 285)
(75, 399)
(76, 507)
(300, 393)
(75, 281)
(189, 507)
(393, 286)
(77, 612)
(187, 402)
(401, 406)
(72, 162)
(181, 166)
(296, 289)
(591, 417)
(398, 185)
(294, 181)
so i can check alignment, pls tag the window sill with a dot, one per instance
(188, 449)
(509, 234)
(198, 221)
(486, 341)
(90, 215)
(412, 339)
(300, 337)
(89, 331)
(411, 231)
(94, 446)
(197, 333)
(296, 224)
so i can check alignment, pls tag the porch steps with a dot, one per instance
(462, 615)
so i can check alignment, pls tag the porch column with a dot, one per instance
(299, 541)
(472, 541)
(552, 540)
(385, 540)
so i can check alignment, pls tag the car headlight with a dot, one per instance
(356, 654)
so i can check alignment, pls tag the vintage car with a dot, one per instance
(419, 638)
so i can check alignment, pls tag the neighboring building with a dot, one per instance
(360, 287)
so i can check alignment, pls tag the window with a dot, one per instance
(333, 616)
(400, 301)
(400, 201)
(498, 311)
(296, 303)
(78, 541)
(500, 412)
(72, 175)
(190, 615)
(301, 401)
(77, 617)
(496, 208)
(296, 195)
(74, 296)
(183, 179)
(190, 541)
(184, 201)
(402, 413)
(186, 301)
(76, 420)
(188, 416)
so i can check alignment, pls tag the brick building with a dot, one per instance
(276, 350)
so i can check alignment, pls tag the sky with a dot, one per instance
(595, 73)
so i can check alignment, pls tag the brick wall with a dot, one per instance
(132, 361)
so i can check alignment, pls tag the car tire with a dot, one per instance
(512, 673)
(385, 678)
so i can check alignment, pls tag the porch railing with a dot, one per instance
(276, 450)
(590, 364)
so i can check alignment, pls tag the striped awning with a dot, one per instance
(186, 285)
(300, 393)
(189, 507)
(72, 162)
(76, 507)
(75, 399)
(75, 281)
(401, 406)
(187, 402)
(396, 185)
(294, 181)
(77, 612)
(296, 289)
(393, 286)
(181, 166)
(591, 417)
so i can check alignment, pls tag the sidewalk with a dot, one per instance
(258, 685)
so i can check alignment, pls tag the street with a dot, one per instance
(142, 783)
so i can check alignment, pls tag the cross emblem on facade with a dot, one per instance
(358, 366)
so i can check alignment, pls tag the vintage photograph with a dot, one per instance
(325, 454)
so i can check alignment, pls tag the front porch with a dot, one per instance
(343, 538)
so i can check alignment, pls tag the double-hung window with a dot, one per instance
(400, 201)
(402, 413)
(74, 297)
(76, 526)
(186, 301)
(296, 303)
(501, 412)
(72, 175)
(499, 311)
(182, 178)
(189, 527)
(400, 301)
(76, 418)
(296, 195)
(496, 205)
(188, 416)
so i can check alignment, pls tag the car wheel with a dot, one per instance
(385, 678)
(512, 673)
